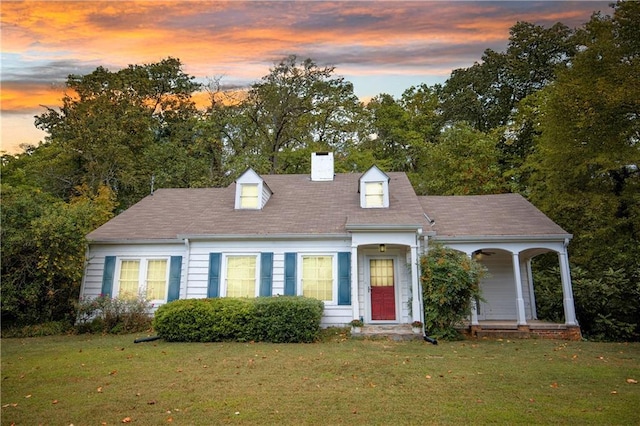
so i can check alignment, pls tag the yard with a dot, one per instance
(97, 380)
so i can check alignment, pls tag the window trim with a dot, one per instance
(368, 197)
(225, 270)
(142, 275)
(243, 198)
(334, 274)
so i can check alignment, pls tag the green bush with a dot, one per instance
(104, 314)
(450, 280)
(271, 319)
(288, 319)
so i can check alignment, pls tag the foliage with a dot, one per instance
(450, 281)
(278, 320)
(43, 251)
(51, 328)
(104, 314)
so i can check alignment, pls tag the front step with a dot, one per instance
(397, 332)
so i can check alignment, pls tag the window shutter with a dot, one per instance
(175, 270)
(290, 274)
(266, 274)
(107, 275)
(215, 260)
(344, 278)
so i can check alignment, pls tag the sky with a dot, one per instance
(379, 46)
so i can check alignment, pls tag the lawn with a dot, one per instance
(97, 380)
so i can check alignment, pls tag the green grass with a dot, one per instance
(94, 380)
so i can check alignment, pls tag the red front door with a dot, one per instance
(383, 294)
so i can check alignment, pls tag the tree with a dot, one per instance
(297, 106)
(585, 171)
(110, 120)
(463, 162)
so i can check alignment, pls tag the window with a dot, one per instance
(249, 196)
(241, 276)
(143, 277)
(317, 277)
(374, 194)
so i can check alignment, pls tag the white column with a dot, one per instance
(474, 303)
(355, 304)
(567, 291)
(415, 290)
(532, 293)
(519, 299)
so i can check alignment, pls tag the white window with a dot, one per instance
(241, 276)
(147, 278)
(318, 279)
(249, 196)
(374, 194)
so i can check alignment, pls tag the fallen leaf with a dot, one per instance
(28, 396)
(152, 402)
(170, 419)
(427, 376)
(614, 392)
(632, 381)
(553, 385)
(126, 420)
(99, 389)
(113, 372)
(55, 401)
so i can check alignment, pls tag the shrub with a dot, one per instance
(450, 280)
(50, 328)
(104, 314)
(272, 319)
(288, 319)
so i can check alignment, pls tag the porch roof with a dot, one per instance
(500, 215)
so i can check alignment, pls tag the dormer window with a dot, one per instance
(374, 194)
(374, 189)
(249, 196)
(252, 193)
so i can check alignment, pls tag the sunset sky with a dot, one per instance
(381, 47)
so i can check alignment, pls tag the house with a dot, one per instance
(351, 240)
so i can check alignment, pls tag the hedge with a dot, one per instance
(285, 319)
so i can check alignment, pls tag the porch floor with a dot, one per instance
(396, 332)
(510, 329)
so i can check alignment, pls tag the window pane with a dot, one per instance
(128, 282)
(374, 194)
(241, 276)
(317, 277)
(249, 196)
(156, 279)
(381, 272)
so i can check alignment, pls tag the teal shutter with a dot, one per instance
(175, 270)
(107, 275)
(344, 278)
(266, 274)
(215, 260)
(290, 274)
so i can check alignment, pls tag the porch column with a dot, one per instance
(567, 291)
(522, 319)
(355, 304)
(474, 303)
(415, 289)
(532, 293)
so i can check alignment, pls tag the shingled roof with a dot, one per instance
(297, 206)
(499, 215)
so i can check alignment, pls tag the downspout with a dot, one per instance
(419, 295)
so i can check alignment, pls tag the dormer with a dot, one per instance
(252, 193)
(374, 189)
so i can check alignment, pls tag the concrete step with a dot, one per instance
(396, 332)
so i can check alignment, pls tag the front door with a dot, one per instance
(383, 294)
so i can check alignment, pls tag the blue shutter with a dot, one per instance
(266, 274)
(215, 260)
(107, 275)
(290, 274)
(344, 278)
(175, 270)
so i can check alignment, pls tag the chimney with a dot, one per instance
(321, 166)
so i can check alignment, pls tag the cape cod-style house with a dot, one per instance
(350, 240)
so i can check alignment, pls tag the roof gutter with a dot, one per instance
(383, 227)
(244, 237)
